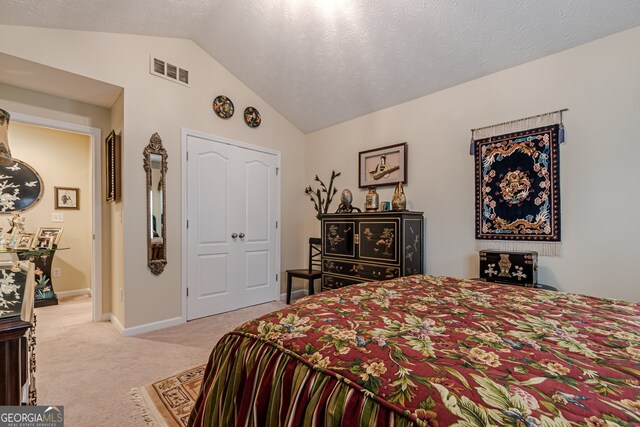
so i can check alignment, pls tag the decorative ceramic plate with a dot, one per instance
(20, 185)
(223, 107)
(252, 117)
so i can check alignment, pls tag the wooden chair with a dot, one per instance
(310, 273)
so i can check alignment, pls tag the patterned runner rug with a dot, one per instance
(168, 402)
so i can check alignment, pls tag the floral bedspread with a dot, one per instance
(447, 351)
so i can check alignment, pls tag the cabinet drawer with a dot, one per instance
(334, 282)
(360, 270)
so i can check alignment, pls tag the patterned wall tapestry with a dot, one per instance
(518, 186)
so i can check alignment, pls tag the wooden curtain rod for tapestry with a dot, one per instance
(519, 120)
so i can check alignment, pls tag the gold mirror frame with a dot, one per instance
(156, 252)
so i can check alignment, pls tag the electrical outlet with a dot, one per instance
(57, 272)
(57, 217)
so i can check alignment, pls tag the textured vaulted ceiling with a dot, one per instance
(321, 62)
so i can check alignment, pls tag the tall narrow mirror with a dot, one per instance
(155, 164)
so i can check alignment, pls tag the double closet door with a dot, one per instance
(231, 232)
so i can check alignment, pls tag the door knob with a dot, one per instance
(242, 235)
(234, 235)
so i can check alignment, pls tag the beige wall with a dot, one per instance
(62, 159)
(151, 105)
(113, 220)
(600, 84)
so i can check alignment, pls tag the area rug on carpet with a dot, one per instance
(168, 402)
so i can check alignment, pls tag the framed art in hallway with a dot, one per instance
(383, 166)
(67, 198)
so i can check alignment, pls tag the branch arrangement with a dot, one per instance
(322, 196)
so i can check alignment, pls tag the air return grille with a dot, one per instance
(161, 68)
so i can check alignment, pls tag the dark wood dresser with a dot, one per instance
(14, 363)
(365, 247)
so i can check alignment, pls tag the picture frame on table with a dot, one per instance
(67, 198)
(22, 241)
(383, 166)
(43, 243)
(47, 237)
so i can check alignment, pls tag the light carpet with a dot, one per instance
(90, 368)
(168, 402)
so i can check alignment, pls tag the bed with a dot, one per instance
(429, 351)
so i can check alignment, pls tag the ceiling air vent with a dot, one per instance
(161, 68)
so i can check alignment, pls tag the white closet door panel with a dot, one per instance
(257, 179)
(212, 270)
(216, 268)
(259, 244)
(212, 193)
(257, 269)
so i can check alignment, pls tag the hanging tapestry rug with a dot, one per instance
(518, 186)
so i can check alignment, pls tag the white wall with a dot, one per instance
(600, 84)
(62, 159)
(151, 105)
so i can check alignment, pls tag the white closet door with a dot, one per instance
(212, 263)
(231, 237)
(258, 246)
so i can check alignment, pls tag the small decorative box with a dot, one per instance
(520, 268)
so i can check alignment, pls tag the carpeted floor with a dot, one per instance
(90, 368)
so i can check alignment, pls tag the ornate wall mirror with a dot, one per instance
(155, 164)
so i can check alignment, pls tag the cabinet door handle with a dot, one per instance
(242, 235)
(234, 235)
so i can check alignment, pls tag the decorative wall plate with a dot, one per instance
(252, 117)
(20, 185)
(223, 107)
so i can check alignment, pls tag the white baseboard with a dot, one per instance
(74, 293)
(115, 322)
(294, 294)
(153, 326)
(105, 317)
(137, 330)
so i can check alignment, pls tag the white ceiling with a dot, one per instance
(322, 62)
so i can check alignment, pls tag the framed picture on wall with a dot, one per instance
(67, 198)
(383, 166)
(113, 159)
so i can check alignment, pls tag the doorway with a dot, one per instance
(82, 261)
(231, 194)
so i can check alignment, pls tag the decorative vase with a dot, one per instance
(4, 133)
(372, 200)
(399, 200)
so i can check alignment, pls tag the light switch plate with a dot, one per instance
(56, 272)
(57, 217)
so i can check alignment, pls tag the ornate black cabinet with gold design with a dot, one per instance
(366, 247)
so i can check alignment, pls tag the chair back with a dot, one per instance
(315, 253)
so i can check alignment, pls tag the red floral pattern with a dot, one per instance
(445, 351)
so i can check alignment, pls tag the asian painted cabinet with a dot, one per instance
(367, 247)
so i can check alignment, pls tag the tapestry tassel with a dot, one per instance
(561, 131)
(472, 146)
